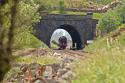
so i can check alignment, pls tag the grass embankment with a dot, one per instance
(27, 40)
(106, 64)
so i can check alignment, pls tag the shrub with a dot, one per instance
(121, 11)
(109, 22)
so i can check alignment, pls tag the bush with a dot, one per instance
(121, 11)
(109, 22)
(26, 16)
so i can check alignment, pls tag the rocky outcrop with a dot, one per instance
(103, 9)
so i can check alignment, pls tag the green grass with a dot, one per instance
(104, 64)
(103, 67)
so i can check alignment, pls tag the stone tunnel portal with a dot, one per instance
(80, 27)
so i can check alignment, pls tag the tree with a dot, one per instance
(6, 46)
(16, 18)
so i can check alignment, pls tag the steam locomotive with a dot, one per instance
(62, 43)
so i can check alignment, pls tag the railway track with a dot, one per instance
(40, 52)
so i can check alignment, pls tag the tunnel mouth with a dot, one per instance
(74, 36)
(57, 34)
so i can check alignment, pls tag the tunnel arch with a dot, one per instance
(76, 38)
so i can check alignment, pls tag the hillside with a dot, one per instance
(105, 63)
